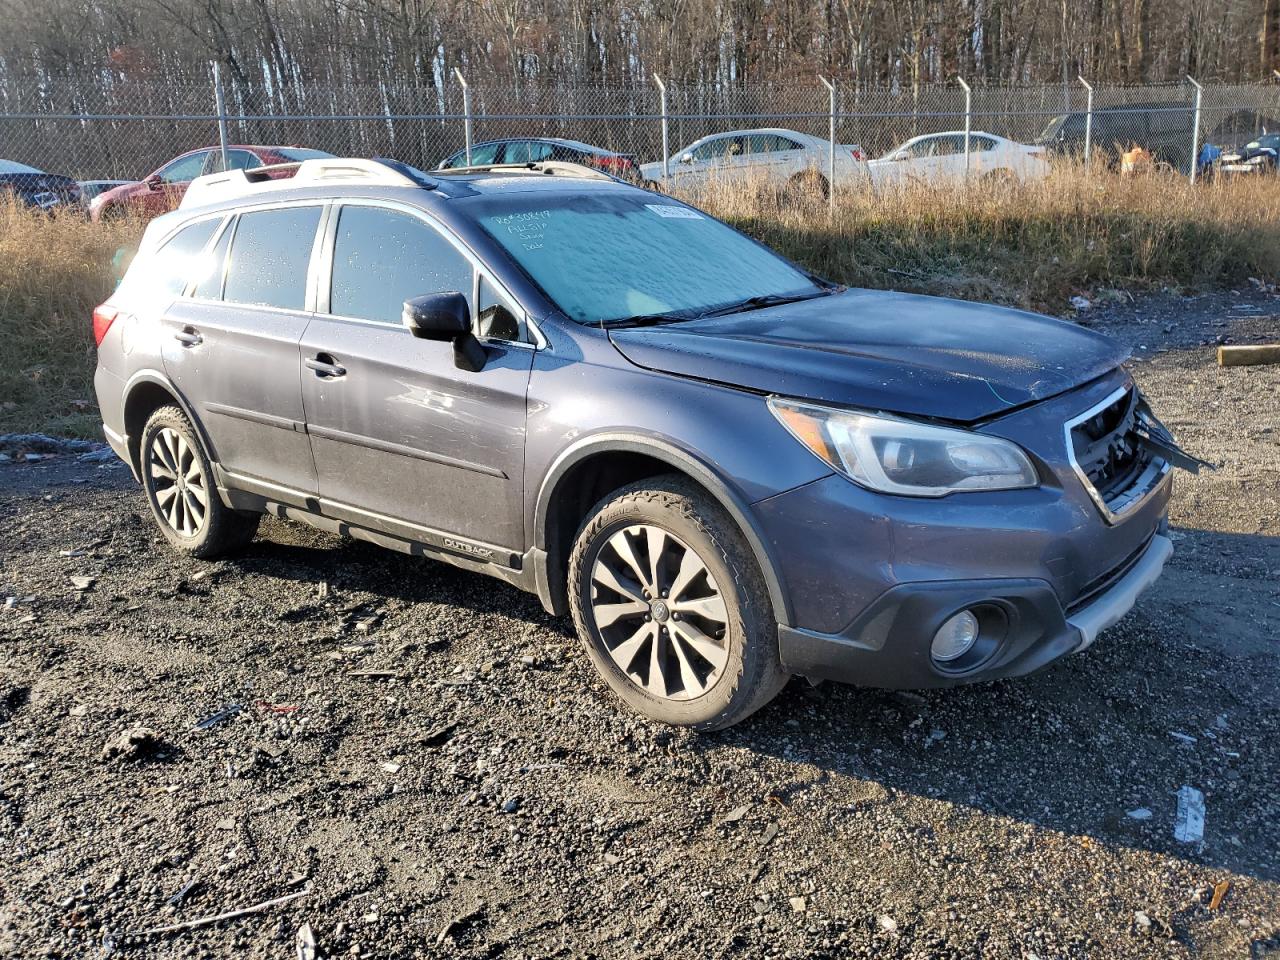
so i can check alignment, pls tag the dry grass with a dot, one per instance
(53, 272)
(1031, 246)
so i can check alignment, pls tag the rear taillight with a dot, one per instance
(613, 163)
(103, 317)
(858, 154)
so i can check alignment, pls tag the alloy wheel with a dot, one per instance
(178, 482)
(659, 612)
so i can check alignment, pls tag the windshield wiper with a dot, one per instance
(645, 320)
(766, 300)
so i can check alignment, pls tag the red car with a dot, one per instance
(162, 190)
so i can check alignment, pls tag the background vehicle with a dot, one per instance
(774, 154)
(91, 188)
(726, 469)
(162, 190)
(534, 149)
(35, 188)
(1163, 129)
(1255, 158)
(940, 156)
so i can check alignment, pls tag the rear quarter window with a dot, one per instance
(164, 274)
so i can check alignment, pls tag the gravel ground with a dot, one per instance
(423, 760)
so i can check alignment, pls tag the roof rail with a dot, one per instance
(234, 183)
(563, 168)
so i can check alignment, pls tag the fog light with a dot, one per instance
(955, 637)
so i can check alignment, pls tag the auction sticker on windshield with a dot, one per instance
(671, 211)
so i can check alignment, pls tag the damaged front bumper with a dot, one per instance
(889, 644)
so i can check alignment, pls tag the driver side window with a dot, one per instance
(919, 149)
(184, 169)
(712, 149)
(381, 258)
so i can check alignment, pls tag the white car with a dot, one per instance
(940, 157)
(781, 156)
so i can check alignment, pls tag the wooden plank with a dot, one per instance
(1248, 356)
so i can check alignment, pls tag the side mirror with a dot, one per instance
(446, 316)
(901, 156)
(154, 182)
(686, 158)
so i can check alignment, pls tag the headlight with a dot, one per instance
(902, 456)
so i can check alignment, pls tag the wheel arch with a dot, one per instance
(145, 393)
(595, 466)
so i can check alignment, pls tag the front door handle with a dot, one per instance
(188, 337)
(325, 366)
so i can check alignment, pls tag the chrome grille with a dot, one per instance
(1108, 455)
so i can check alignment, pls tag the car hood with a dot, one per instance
(879, 350)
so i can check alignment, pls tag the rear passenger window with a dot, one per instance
(209, 272)
(269, 256)
(381, 258)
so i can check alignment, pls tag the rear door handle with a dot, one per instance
(188, 337)
(325, 366)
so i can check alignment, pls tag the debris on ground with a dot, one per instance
(1248, 356)
(207, 921)
(736, 814)
(305, 943)
(1188, 824)
(222, 716)
(136, 743)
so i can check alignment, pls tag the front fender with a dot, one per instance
(681, 460)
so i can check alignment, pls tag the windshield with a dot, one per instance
(1053, 128)
(302, 153)
(615, 256)
(12, 166)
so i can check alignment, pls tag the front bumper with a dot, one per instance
(889, 644)
(870, 578)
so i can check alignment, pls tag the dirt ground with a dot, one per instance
(423, 760)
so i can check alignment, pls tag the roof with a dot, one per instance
(780, 131)
(561, 141)
(319, 177)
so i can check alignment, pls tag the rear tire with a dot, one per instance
(668, 598)
(178, 480)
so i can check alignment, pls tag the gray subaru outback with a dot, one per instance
(728, 470)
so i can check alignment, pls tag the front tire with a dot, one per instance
(668, 598)
(178, 480)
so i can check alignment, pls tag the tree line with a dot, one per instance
(285, 45)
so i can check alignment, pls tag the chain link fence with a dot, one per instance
(111, 129)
